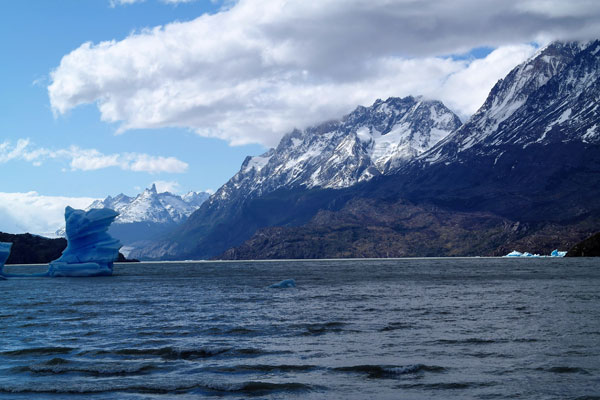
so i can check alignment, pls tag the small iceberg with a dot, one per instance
(286, 283)
(555, 253)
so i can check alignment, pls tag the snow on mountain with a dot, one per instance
(368, 142)
(552, 96)
(150, 206)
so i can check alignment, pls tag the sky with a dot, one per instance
(100, 97)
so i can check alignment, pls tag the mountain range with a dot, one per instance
(148, 215)
(404, 177)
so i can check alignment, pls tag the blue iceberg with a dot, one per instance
(4, 253)
(555, 253)
(286, 283)
(90, 250)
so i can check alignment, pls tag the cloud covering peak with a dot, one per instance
(252, 72)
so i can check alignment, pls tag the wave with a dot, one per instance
(259, 387)
(266, 368)
(59, 366)
(470, 341)
(566, 370)
(38, 351)
(251, 388)
(234, 331)
(446, 385)
(395, 326)
(387, 371)
(321, 328)
(174, 353)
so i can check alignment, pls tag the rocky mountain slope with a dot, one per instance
(548, 99)
(522, 173)
(367, 143)
(589, 247)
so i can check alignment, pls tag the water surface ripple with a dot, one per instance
(351, 329)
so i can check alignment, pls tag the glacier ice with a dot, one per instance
(555, 253)
(4, 253)
(90, 250)
(286, 283)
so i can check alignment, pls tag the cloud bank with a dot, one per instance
(35, 213)
(252, 72)
(90, 159)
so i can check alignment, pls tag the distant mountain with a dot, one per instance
(148, 215)
(367, 143)
(522, 173)
(151, 206)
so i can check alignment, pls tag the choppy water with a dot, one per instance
(413, 329)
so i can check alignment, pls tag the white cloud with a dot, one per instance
(478, 76)
(90, 159)
(259, 68)
(167, 186)
(177, 1)
(35, 213)
(114, 3)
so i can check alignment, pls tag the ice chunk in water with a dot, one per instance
(286, 283)
(4, 253)
(90, 251)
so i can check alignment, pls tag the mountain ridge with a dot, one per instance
(518, 172)
(366, 143)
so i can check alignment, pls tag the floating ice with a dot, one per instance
(555, 253)
(90, 251)
(4, 253)
(514, 253)
(286, 283)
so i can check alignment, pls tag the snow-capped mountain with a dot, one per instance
(148, 215)
(368, 142)
(151, 206)
(524, 170)
(522, 173)
(551, 97)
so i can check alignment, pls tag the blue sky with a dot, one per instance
(99, 97)
(37, 34)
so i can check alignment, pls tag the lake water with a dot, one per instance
(352, 329)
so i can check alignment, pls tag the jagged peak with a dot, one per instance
(365, 143)
(523, 107)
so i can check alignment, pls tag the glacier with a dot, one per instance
(90, 250)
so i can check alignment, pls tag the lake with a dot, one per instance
(472, 328)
